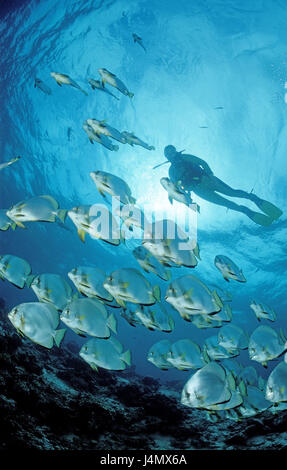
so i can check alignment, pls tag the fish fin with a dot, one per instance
(185, 317)
(171, 322)
(75, 296)
(126, 357)
(102, 193)
(170, 199)
(59, 83)
(124, 285)
(265, 365)
(188, 293)
(59, 335)
(121, 302)
(29, 280)
(94, 367)
(19, 224)
(83, 91)
(82, 235)
(91, 140)
(62, 214)
(196, 252)
(205, 357)
(282, 336)
(21, 206)
(168, 275)
(156, 293)
(112, 323)
(51, 200)
(131, 95)
(133, 200)
(13, 226)
(231, 382)
(217, 299)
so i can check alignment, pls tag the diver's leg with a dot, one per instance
(212, 196)
(223, 188)
(270, 209)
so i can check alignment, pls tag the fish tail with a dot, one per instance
(59, 335)
(29, 280)
(62, 214)
(156, 293)
(168, 275)
(112, 323)
(126, 357)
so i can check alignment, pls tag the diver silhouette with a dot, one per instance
(191, 173)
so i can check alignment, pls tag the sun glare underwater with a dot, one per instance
(92, 92)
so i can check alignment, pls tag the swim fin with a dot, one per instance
(269, 209)
(259, 219)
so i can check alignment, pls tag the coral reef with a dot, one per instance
(52, 400)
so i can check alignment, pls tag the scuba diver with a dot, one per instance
(191, 173)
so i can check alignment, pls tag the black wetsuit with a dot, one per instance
(189, 170)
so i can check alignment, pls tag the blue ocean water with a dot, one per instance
(201, 55)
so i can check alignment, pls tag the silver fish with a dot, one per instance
(53, 289)
(113, 80)
(98, 85)
(39, 208)
(105, 353)
(157, 355)
(228, 269)
(10, 162)
(39, 322)
(63, 79)
(42, 86)
(89, 317)
(15, 270)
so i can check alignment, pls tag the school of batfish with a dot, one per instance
(220, 385)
